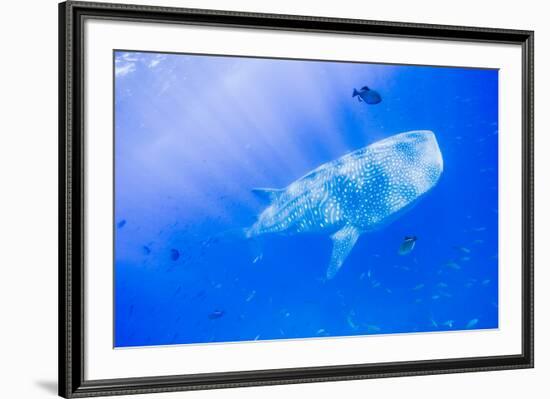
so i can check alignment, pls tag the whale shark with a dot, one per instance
(360, 192)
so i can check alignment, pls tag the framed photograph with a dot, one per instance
(254, 199)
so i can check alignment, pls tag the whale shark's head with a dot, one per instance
(414, 156)
(405, 166)
(421, 159)
(421, 151)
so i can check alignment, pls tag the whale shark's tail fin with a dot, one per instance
(343, 241)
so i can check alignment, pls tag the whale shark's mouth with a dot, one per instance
(429, 145)
(416, 145)
(425, 156)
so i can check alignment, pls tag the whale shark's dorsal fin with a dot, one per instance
(343, 241)
(268, 194)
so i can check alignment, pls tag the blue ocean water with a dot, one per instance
(195, 134)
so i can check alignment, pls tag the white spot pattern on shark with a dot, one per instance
(360, 192)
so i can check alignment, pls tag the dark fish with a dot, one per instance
(174, 254)
(216, 314)
(121, 223)
(367, 95)
(146, 249)
(407, 245)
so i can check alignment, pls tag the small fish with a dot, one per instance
(257, 337)
(209, 241)
(367, 95)
(433, 322)
(375, 284)
(478, 229)
(362, 276)
(320, 331)
(174, 254)
(453, 265)
(216, 314)
(251, 296)
(121, 224)
(146, 249)
(478, 241)
(442, 285)
(485, 282)
(407, 245)
(257, 258)
(448, 323)
(372, 328)
(464, 249)
(351, 323)
(472, 323)
(435, 297)
(418, 287)
(465, 258)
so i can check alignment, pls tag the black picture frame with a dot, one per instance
(71, 196)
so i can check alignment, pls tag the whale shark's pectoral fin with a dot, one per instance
(343, 241)
(268, 194)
